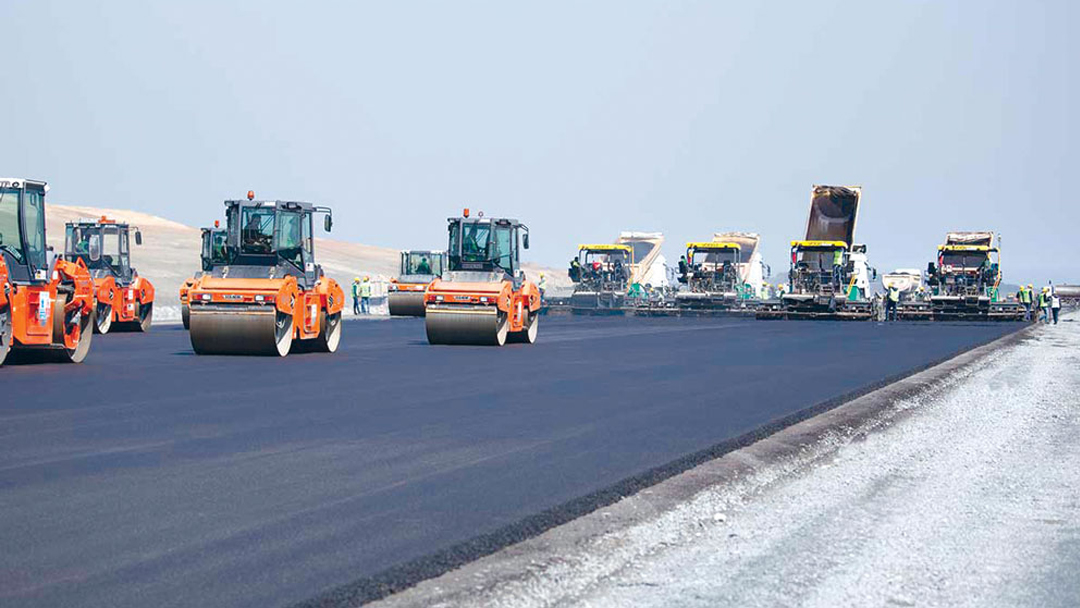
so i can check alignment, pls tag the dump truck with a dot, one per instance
(964, 283)
(914, 301)
(125, 300)
(830, 275)
(405, 295)
(211, 253)
(485, 297)
(601, 274)
(725, 274)
(47, 302)
(269, 292)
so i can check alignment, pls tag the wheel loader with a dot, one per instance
(125, 300)
(965, 281)
(830, 275)
(485, 297)
(601, 274)
(211, 254)
(46, 302)
(405, 295)
(269, 292)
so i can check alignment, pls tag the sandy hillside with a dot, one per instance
(170, 254)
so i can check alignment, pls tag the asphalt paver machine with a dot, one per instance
(829, 276)
(46, 302)
(270, 292)
(601, 274)
(485, 297)
(965, 281)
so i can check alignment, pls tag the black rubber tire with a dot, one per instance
(185, 315)
(5, 334)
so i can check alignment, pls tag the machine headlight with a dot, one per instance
(438, 298)
(205, 297)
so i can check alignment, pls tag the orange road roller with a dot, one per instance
(269, 292)
(44, 305)
(211, 254)
(405, 295)
(485, 298)
(125, 300)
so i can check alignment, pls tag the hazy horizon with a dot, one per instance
(581, 120)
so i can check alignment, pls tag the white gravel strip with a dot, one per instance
(969, 496)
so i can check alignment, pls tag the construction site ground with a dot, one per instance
(149, 476)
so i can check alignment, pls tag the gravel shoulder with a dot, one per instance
(956, 486)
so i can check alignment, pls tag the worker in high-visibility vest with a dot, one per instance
(356, 296)
(365, 296)
(892, 302)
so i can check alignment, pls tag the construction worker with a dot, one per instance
(575, 270)
(1055, 306)
(1044, 305)
(1025, 299)
(837, 265)
(892, 302)
(542, 285)
(424, 267)
(365, 296)
(684, 268)
(356, 296)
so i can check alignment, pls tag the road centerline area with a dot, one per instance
(245, 481)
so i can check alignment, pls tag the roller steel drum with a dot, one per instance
(240, 331)
(406, 303)
(481, 325)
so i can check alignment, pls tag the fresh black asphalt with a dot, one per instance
(149, 476)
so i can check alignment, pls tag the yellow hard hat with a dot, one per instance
(1030, 286)
(356, 279)
(367, 279)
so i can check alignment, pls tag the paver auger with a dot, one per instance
(211, 254)
(405, 295)
(269, 292)
(43, 305)
(485, 298)
(125, 300)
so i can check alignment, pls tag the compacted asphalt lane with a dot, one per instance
(149, 476)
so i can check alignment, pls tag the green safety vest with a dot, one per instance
(356, 290)
(365, 290)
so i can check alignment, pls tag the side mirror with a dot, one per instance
(138, 237)
(328, 223)
(525, 241)
(95, 249)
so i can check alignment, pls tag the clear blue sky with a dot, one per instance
(580, 118)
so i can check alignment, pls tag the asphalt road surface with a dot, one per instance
(149, 476)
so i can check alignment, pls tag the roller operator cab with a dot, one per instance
(601, 274)
(405, 295)
(211, 253)
(485, 298)
(46, 301)
(268, 291)
(124, 299)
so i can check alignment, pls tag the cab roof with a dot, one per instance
(605, 247)
(19, 182)
(713, 245)
(819, 244)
